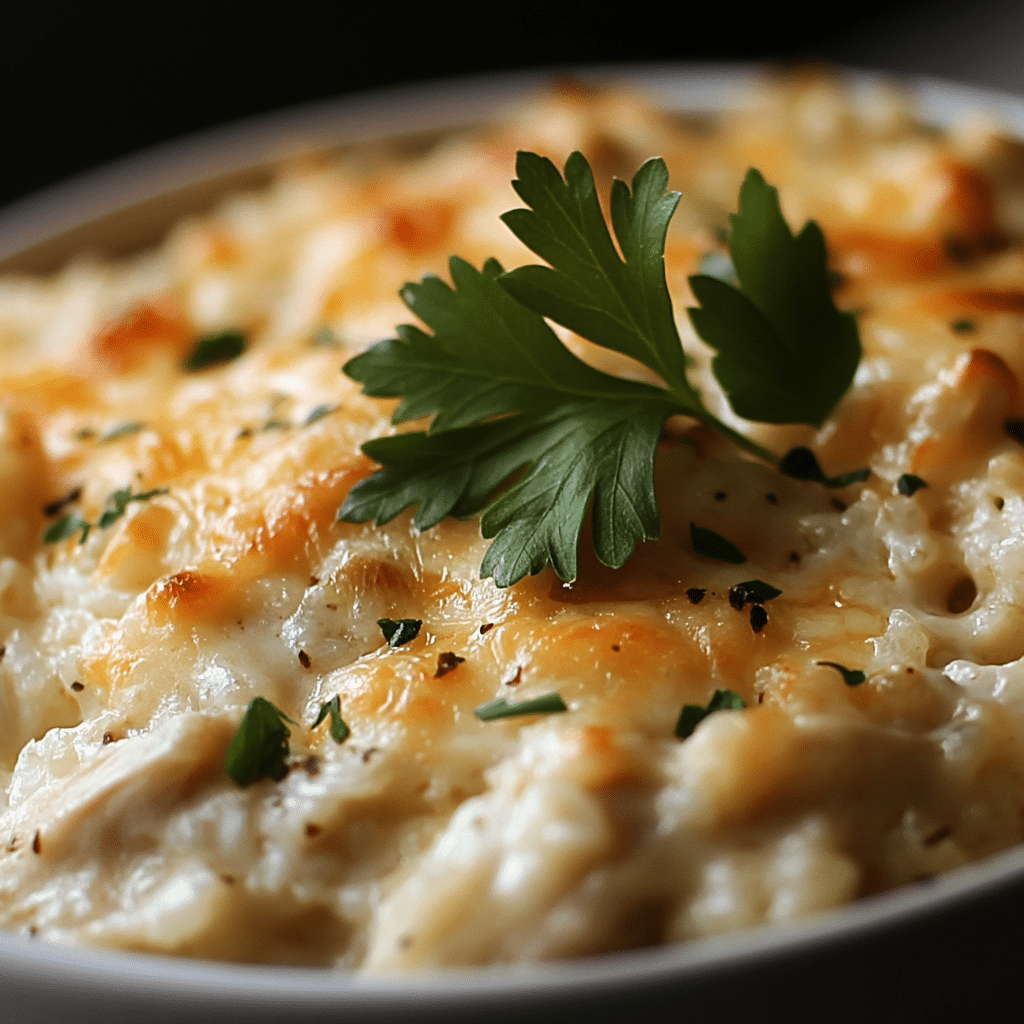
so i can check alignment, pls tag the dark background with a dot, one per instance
(82, 83)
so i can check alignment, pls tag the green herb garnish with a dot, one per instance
(851, 676)
(693, 714)
(508, 398)
(319, 413)
(121, 430)
(117, 503)
(67, 526)
(339, 730)
(785, 353)
(399, 631)
(802, 464)
(908, 483)
(752, 592)
(214, 349)
(550, 703)
(713, 545)
(259, 750)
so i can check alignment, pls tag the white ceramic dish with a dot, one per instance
(941, 950)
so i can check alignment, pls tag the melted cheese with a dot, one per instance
(429, 837)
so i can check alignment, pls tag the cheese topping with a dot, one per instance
(430, 836)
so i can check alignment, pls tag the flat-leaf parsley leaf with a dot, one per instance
(785, 353)
(509, 401)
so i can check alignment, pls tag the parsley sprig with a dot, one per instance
(511, 403)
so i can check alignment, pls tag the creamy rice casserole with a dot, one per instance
(178, 436)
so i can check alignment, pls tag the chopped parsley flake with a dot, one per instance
(67, 526)
(851, 676)
(259, 750)
(802, 464)
(693, 714)
(70, 523)
(339, 730)
(214, 349)
(752, 592)
(319, 413)
(121, 430)
(713, 545)
(117, 503)
(908, 483)
(399, 631)
(550, 703)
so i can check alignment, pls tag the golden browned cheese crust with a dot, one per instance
(429, 837)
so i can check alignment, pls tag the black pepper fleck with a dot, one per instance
(446, 663)
(37, 845)
(720, 495)
(772, 499)
(77, 686)
(368, 753)
(486, 628)
(696, 594)
(108, 737)
(304, 659)
(313, 829)
(794, 556)
(839, 506)
(758, 617)
(311, 765)
(616, 647)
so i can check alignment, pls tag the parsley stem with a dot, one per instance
(712, 421)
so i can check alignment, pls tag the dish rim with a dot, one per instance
(267, 140)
